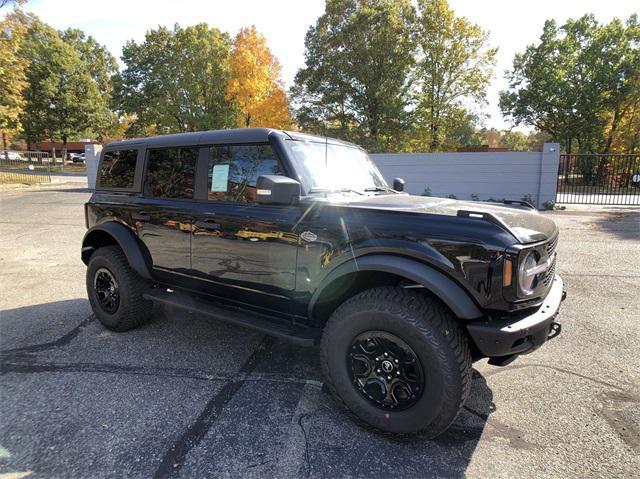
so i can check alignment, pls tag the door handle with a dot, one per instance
(142, 216)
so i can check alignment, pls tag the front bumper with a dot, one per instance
(521, 333)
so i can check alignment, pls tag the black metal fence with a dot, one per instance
(25, 167)
(599, 179)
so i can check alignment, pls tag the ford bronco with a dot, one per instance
(301, 237)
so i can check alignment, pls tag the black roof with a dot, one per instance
(236, 135)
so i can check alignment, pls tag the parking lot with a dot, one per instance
(188, 397)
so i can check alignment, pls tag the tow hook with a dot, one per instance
(554, 330)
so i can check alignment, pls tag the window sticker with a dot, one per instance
(219, 178)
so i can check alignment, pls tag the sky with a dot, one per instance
(512, 25)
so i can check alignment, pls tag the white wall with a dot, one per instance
(92, 157)
(510, 175)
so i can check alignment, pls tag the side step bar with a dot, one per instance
(300, 335)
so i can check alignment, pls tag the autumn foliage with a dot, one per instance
(255, 86)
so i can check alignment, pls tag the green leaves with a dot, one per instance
(13, 69)
(454, 68)
(356, 80)
(62, 99)
(390, 76)
(580, 83)
(175, 81)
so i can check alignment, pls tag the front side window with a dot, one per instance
(118, 169)
(233, 171)
(171, 173)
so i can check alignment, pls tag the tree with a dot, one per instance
(255, 86)
(355, 83)
(101, 64)
(13, 79)
(514, 141)
(454, 67)
(579, 84)
(61, 98)
(176, 80)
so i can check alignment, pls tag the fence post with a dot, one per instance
(548, 180)
(91, 158)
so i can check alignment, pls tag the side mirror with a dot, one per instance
(398, 184)
(277, 190)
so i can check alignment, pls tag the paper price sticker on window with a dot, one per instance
(219, 178)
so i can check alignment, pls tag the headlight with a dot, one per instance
(527, 272)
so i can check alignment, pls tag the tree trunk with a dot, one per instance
(4, 145)
(602, 163)
(64, 151)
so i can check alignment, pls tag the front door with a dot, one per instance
(242, 250)
(163, 216)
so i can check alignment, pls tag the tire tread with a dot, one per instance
(421, 312)
(134, 310)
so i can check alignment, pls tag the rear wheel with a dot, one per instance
(398, 360)
(115, 290)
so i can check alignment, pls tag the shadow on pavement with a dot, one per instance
(625, 225)
(187, 397)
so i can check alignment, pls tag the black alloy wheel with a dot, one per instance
(385, 370)
(107, 291)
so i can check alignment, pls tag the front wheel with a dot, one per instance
(398, 360)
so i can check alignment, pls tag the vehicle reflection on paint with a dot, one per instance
(272, 235)
(185, 227)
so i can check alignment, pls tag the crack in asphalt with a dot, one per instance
(29, 367)
(513, 367)
(306, 440)
(174, 458)
(61, 341)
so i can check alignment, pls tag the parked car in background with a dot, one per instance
(11, 155)
(76, 157)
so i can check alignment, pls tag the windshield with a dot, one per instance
(327, 166)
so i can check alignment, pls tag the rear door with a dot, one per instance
(240, 249)
(164, 217)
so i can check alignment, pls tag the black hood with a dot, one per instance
(525, 224)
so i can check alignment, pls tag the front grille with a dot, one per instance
(550, 249)
(551, 246)
(549, 275)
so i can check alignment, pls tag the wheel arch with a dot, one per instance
(114, 233)
(368, 271)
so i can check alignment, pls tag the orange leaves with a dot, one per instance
(255, 86)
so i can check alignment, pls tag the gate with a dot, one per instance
(599, 179)
(24, 167)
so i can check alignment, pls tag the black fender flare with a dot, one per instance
(446, 289)
(135, 253)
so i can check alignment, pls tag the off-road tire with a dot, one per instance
(133, 310)
(430, 329)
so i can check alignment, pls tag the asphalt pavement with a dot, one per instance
(189, 397)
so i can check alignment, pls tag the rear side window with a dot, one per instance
(171, 173)
(234, 170)
(118, 169)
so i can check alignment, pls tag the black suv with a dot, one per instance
(301, 237)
